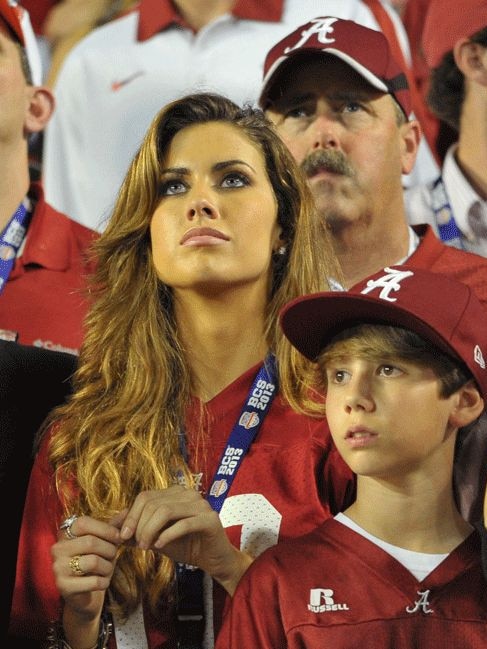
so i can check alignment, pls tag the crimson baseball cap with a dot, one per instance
(18, 20)
(365, 50)
(438, 308)
(446, 22)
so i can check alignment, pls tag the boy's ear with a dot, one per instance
(470, 405)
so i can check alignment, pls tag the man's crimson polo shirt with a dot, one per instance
(43, 300)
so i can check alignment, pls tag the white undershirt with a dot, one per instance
(420, 564)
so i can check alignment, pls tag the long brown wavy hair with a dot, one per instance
(118, 435)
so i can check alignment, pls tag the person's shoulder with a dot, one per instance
(466, 267)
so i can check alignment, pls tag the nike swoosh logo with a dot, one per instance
(117, 85)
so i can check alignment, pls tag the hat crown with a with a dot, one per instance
(438, 308)
(364, 49)
(446, 22)
(18, 19)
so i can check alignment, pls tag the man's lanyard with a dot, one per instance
(190, 606)
(11, 240)
(448, 229)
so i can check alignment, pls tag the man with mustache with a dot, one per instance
(342, 105)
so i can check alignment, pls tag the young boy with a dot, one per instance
(402, 356)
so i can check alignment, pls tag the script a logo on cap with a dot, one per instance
(478, 357)
(321, 26)
(391, 281)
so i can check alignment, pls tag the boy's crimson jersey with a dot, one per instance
(291, 481)
(333, 588)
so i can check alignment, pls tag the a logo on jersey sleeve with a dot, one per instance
(322, 600)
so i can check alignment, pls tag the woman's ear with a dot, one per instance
(469, 407)
(40, 106)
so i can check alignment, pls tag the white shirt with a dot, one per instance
(111, 86)
(461, 196)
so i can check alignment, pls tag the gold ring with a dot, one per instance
(66, 527)
(75, 567)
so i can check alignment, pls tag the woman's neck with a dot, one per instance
(222, 336)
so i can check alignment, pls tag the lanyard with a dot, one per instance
(11, 240)
(448, 229)
(190, 608)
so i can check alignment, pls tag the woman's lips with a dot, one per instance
(203, 237)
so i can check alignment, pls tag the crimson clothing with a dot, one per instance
(434, 255)
(291, 480)
(42, 300)
(333, 588)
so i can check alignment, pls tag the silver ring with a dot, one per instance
(66, 527)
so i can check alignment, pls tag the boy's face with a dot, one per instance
(386, 416)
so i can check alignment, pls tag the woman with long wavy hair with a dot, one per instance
(193, 436)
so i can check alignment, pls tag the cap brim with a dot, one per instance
(276, 68)
(310, 322)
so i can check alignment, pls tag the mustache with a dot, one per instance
(329, 160)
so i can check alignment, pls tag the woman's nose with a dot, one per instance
(202, 208)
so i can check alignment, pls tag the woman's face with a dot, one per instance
(216, 223)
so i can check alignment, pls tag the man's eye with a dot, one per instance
(352, 107)
(235, 179)
(298, 112)
(171, 187)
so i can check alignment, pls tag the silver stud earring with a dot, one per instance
(281, 250)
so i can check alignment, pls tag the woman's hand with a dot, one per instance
(83, 567)
(180, 523)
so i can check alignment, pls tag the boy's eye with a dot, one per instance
(171, 187)
(234, 179)
(389, 371)
(337, 376)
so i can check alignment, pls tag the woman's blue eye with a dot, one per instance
(235, 180)
(171, 187)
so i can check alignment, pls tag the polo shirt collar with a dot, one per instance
(156, 15)
(41, 247)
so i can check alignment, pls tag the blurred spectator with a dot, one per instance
(115, 80)
(42, 252)
(71, 20)
(455, 47)
(438, 134)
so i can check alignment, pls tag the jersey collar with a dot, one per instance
(156, 15)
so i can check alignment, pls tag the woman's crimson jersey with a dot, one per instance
(291, 480)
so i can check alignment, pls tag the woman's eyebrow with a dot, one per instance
(230, 163)
(182, 171)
